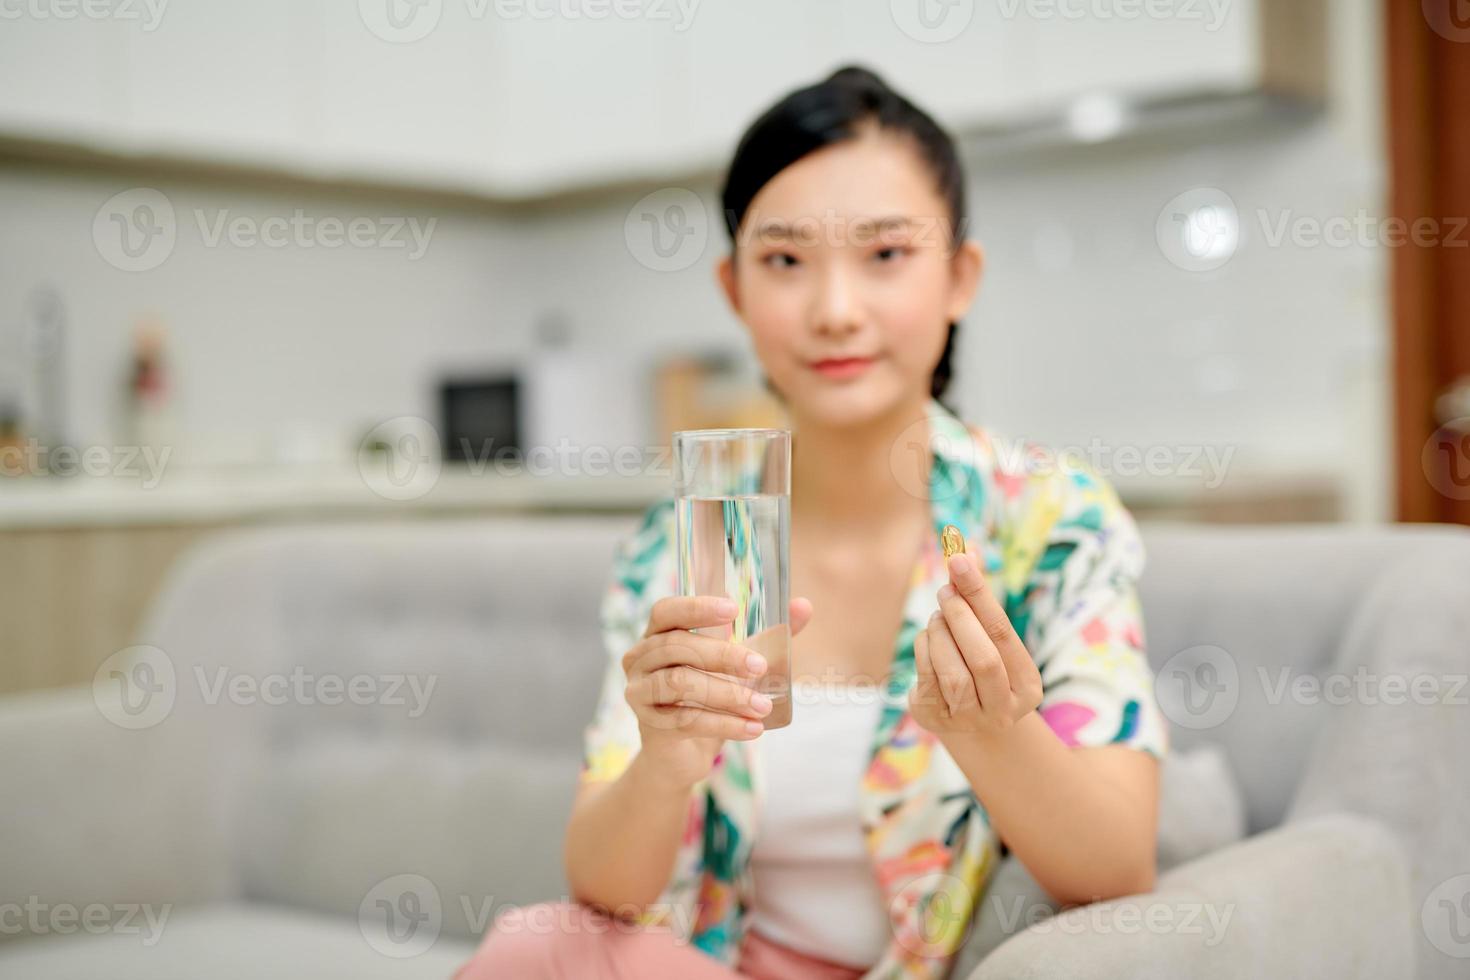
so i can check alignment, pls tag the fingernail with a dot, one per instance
(945, 591)
(754, 727)
(756, 663)
(725, 607)
(760, 703)
(959, 564)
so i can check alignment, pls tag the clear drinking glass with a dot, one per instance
(732, 497)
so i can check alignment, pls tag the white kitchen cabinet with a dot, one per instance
(63, 78)
(524, 98)
(222, 82)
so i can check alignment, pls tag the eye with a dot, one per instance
(890, 253)
(780, 260)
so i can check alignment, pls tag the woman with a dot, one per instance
(949, 711)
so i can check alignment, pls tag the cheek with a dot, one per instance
(774, 316)
(912, 314)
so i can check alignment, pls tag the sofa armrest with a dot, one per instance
(94, 813)
(1327, 897)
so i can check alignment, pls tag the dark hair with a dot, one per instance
(831, 111)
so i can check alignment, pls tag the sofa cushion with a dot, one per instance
(229, 941)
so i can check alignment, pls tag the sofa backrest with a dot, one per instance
(1244, 626)
(475, 644)
(476, 650)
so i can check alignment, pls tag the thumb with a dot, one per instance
(801, 614)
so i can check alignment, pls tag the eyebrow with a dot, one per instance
(780, 228)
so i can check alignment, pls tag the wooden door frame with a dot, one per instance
(1428, 126)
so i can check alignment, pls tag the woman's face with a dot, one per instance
(845, 274)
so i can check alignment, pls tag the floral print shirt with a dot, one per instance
(1064, 556)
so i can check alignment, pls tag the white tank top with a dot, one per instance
(815, 888)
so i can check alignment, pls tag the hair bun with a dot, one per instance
(859, 77)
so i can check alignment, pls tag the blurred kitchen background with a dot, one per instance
(284, 260)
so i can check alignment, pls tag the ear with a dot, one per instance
(725, 273)
(966, 267)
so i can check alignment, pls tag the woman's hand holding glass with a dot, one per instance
(692, 692)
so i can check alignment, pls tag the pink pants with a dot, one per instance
(571, 941)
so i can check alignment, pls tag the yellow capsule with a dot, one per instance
(952, 540)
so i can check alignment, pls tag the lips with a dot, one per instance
(842, 367)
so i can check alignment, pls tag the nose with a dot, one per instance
(838, 303)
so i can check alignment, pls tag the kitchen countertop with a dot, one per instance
(226, 495)
(234, 495)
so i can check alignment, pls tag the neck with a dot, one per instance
(865, 474)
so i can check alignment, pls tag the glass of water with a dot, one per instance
(732, 497)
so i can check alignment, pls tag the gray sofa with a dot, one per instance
(345, 747)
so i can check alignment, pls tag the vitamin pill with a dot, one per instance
(952, 541)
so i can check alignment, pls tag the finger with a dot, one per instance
(688, 612)
(686, 685)
(983, 660)
(926, 685)
(701, 722)
(965, 576)
(678, 647)
(953, 674)
(801, 614)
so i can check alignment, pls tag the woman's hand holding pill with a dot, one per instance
(972, 672)
(690, 691)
